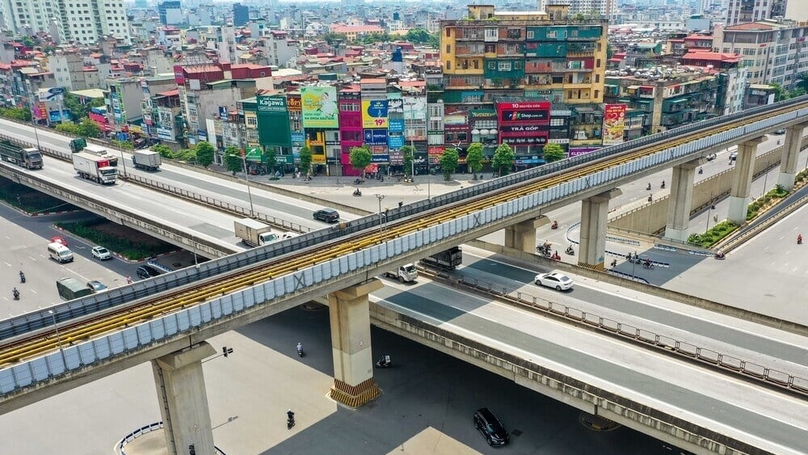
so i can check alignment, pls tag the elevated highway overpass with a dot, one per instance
(178, 310)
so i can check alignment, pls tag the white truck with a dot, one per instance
(407, 273)
(102, 152)
(146, 159)
(254, 233)
(94, 168)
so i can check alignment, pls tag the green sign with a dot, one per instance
(275, 103)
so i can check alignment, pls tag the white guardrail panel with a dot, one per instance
(90, 352)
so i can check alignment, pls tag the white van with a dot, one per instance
(60, 253)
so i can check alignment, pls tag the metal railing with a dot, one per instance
(146, 429)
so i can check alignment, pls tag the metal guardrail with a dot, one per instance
(217, 204)
(639, 335)
(146, 429)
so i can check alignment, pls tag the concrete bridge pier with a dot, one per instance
(594, 220)
(350, 344)
(522, 236)
(681, 200)
(788, 159)
(184, 401)
(742, 180)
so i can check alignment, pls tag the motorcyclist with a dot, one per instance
(647, 263)
(663, 185)
(554, 225)
(299, 347)
(648, 188)
(290, 419)
(556, 256)
(16, 294)
(22, 277)
(799, 239)
(720, 255)
(569, 250)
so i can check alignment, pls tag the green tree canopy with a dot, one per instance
(409, 156)
(554, 152)
(69, 128)
(448, 163)
(474, 158)
(163, 150)
(79, 109)
(205, 153)
(232, 159)
(371, 38)
(305, 160)
(418, 36)
(334, 38)
(16, 113)
(503, 159)
(270, 157)
(123, 145)
(88, 128)
(360, 157)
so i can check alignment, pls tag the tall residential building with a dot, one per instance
(604, 8)
(83, 22)
(500, 69)
(170, 12)
(741, 11)
(241, 14)
(773, 51)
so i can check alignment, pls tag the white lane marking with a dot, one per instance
(6, 263)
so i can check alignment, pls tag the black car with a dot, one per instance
(147, 271)
(490, 427)
(327, 215)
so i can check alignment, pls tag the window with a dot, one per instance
(504, 66)
(448, 65)
(448, 48)
(252, 121)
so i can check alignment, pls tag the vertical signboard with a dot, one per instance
(319, 107)
(614, 123)
(273, 121)
(374, 114)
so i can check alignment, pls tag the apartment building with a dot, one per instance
(742, 11)
(540, 58)
(773, 51)
(81, 22)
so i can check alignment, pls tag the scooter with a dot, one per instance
(648, 188)
(384, 362)
(290, 419)
(357, 192)
(570, 251)
(554, 225)
(300, 349)
(16, 294)
(720, 256)
(22, 277)
(648, 265)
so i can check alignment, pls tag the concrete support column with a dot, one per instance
(522, 236)
(350, 344)
(184, 401)
(594, 220)
(742, 180)
(788, 158)
(681, 200)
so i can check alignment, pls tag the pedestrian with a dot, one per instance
(614, 263)
(128, 279)
(400, 203)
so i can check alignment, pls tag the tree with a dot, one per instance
(417, 36)
(16, 113)
(232, 159)
(163, 150)
(334, 38)
(205, 153)
(123, 145)
(503, 159)
(780, 93)
(270, 158)
(360, 158)
(69, 128)
(448, 163)
(802, 81)
(554, 152)
(305, 160)
(409, 156)
(78, 109)
(474, 158)
(88, 128)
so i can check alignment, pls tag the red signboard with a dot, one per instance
(524, 113)
(179, 75)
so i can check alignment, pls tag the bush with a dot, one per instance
(712, 236)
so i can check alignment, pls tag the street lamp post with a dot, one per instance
(381, 222)
(247, 181)
(709, 211)
(58, 337)
(33, 120)
(193, 245)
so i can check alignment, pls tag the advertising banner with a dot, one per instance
(396, 125)
(271, 103)
(374, 114)
(319, 107)
(523, 130)
(395, 105)
(614, 123)
(395, 142)
(376, 136)
(531, 112)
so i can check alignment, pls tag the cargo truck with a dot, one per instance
(27, 157)
(102, 152)
(94, 168)
(447, 260)
(146, 159)
(407, 273)
(254, 233)
(71, 288)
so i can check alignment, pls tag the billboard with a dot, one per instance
(536, 112)
(319, 107)
(376, 136)
(374, 114)
(271, 103)
(614, 123)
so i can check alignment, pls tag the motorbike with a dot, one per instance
(384, 362)
(544, 250)
(701, 171)
(648, 265)
(554, 225)
(22, 277)
(300, 349)
(720, 256)
(357, 192)
(569, 250)
(290, 419)
(648, 188)
(16, 294)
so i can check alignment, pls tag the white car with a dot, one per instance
(556, 280)
(101, 253)
(288, 235)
